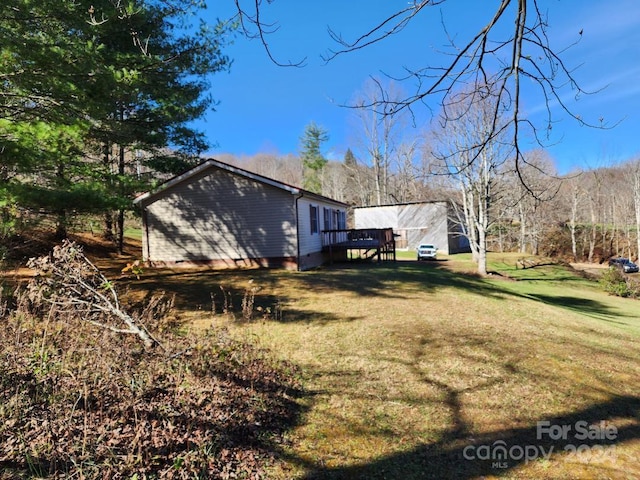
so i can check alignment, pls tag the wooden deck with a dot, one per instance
(361, 244)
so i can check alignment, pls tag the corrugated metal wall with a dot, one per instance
(415, 223)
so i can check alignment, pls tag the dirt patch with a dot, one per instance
(589, 270)
(102, 252)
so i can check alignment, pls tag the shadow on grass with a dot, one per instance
(222, 290)
(591, 434)
(387, 279)
(583, 306)
(458, 457)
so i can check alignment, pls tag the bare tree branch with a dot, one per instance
(254, 27)
(483, 60)
(68, 280)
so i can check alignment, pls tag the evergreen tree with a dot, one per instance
(87, 84)
(313, 162)
(349, 159)
(156, 84)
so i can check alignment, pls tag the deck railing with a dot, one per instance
(360, 243)
(357, 237)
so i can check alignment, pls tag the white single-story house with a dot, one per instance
(224, 216)
(417, 223)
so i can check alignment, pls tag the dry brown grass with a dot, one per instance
(410, 367)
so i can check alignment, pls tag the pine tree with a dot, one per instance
(349, 159)
(85, 86)
(313, 162)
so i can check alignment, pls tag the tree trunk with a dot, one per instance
(572, 224)
(594, 234)
(107, 233)
(636, 204)
(120, 226)
(61, 213)
(61, 225)
(523, 227)
(482, 255)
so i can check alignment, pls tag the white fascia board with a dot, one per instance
(223, 166)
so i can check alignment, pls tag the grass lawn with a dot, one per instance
(419, 370)
(134, 233)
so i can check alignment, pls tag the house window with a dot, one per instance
(327, 218)
(313, 213)
(342, 220)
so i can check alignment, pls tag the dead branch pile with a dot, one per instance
(67, 282)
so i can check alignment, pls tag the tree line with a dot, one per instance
(585, 215)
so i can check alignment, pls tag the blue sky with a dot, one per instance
(265, 108)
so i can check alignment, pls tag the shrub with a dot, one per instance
(615, 282)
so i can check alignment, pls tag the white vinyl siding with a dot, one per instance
(312, 243)
(220, 215)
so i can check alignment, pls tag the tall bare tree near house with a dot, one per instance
(473, 163)
(509, 49)
(379, 134)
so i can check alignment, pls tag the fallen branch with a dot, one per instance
(66, 279)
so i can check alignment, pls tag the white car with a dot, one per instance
(427, 251)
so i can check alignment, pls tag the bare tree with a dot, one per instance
(334, 182)
(485, 57)
(574, 195)
(594, 198)
(404, 185)
(379, 134)
(537, 174)
(359, 180)
(635, 172)
(473, 163)
(284, 168)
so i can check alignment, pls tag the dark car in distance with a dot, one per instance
(624, 264)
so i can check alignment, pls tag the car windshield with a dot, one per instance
(426, 246)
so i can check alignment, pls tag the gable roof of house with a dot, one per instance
(212, 163)
(403, 204)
